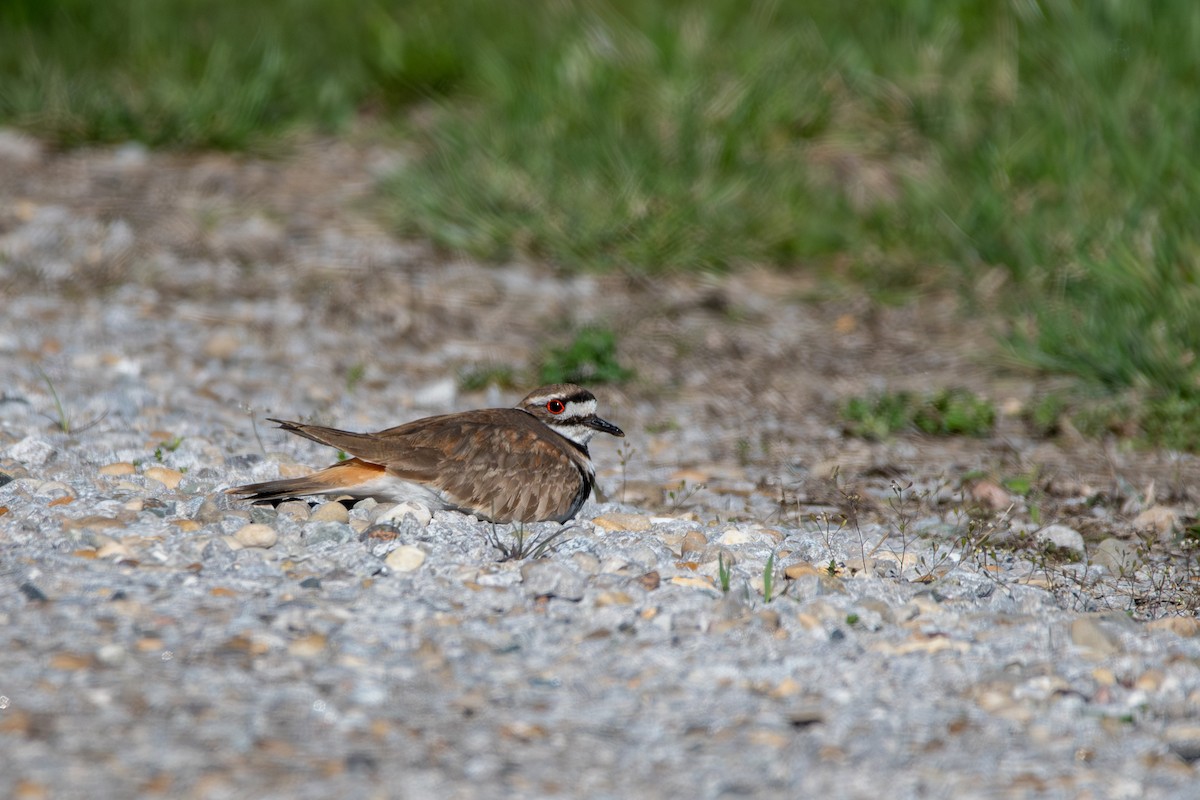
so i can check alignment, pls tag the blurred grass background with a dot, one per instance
(1038, 155)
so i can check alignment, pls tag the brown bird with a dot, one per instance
(523, 464)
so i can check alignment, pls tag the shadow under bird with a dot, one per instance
(524, 464)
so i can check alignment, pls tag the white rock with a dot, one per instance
(405, 558)
(1061, 537)
(32, 451)
(398, 512)
(736, 536)
(256, 535)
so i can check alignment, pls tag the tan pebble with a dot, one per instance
(765, 738)
(694, 542)
(1157, 519)
(296, 509)
(786, 688)
(587, 563)
(135, 505)
(222, 345)
(359, 525)
(117, 468)
(169, 478)
(650, 581)
(799, 570)
(1150, 681)
(330, 512)
(990, 494)
(808, 621)
(623, 522)
(920, 643)
(613, 598)
(187, 525)
(256, 535)
(405, 558)
(1180, 626)
(1087, 634)
(111, 549)
(307, 646)
(736, 536)
(1104, 676)
(693, 582)
(233, 543)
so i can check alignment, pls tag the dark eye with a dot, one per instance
(556, 407)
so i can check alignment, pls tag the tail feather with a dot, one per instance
(341, 478)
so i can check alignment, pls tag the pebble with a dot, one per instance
(396, 513)
(294, 509)
(735, 536)
(222, 345)
(331, 511)
(1118, 557)
(256, 535)
(1159, 520)
(405, 558)
(117, 468)
(32, 451)
(1062, 538)
(693, 543)
(623, 522)
(991, 495)
(328, 532)
(545, 578)
(168, 477)
(1087, 633)
(1184, 740)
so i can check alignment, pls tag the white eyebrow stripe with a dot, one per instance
(580, 409)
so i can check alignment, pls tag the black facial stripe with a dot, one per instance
(569, 422)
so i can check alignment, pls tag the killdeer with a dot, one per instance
(524, 464)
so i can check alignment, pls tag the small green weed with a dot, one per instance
(590, 358)
(769, 578)
(723, 573)
(522, 546)
(948, 412)
(354, 375)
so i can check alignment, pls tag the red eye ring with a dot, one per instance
(556, 407)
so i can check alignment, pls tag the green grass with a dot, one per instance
(589, 358)
(1051, 143)
(948, 412)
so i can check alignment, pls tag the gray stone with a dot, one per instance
(547, 578)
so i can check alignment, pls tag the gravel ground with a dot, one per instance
(158, 639)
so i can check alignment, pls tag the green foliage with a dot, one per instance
(878, 416)
(1044, 416)
(590, 358)
(481, 376)
(723, 573)
(948, 412)
(952, 412)
(769, 578)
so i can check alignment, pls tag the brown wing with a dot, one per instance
(501, 464)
